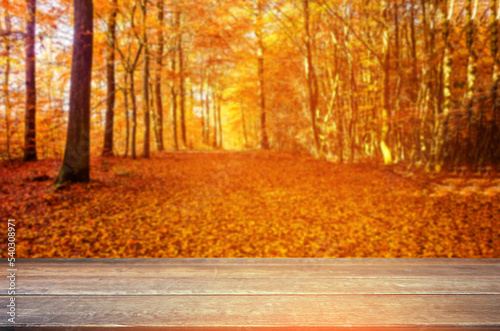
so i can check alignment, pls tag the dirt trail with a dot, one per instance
(248, 204)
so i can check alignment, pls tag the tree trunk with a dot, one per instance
(396, 128)
(145, 82)
(214, 109)
(414, 64)
(245, 138)
(414, 84)
(340, 120)
(264, 142)
(127, 119)
(30, 116)
(207, 116)
(425, 90)
(470, 13)
(76, 164)
(158, 114)
(202, 97)
(220, 122)
(496, 57)
(6, 94)
(386, 111)
(133, 154)
(182, 80)
(495, 100)
(173, 100)
(447, 67)
(354, 110)
(173, 84)
(110, 77)
(312, 82)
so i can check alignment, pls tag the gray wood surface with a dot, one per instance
(247, 294)
(258, 286)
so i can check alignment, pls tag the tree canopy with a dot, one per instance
(410, 81)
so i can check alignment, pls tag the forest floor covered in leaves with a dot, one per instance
(248, 204)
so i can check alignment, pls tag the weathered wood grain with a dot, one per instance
(261, 261)
(41, 285)
(254, 311)
(256, 294)
(256, 270)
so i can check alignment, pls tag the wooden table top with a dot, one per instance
(245, 294)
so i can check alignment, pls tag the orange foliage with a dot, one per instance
(249, 204)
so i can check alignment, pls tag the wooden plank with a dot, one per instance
(260, 311)
(124, 285)
(256, 270)
(236, 271)
(261, 261)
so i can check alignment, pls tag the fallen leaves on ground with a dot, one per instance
(245, 204)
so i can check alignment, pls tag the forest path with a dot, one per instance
(243, 204)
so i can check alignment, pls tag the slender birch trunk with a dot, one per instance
(470, 22)
(386, 111)
(447, 68)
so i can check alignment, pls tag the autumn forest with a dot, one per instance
(251, 128)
